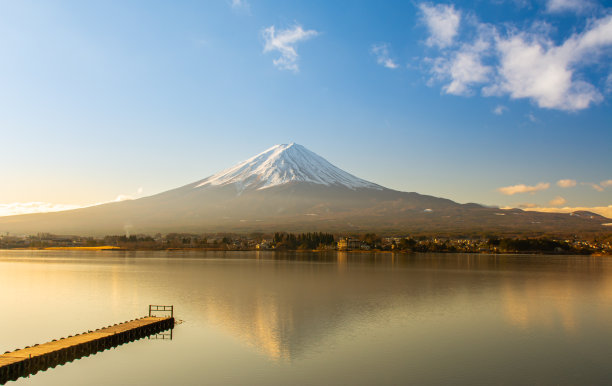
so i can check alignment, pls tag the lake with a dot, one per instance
(265, 318)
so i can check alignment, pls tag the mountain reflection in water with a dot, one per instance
(351, 318)
(290, 307)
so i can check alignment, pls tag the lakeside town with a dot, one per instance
(316, 241)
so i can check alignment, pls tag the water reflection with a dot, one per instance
(287, 310)
(344, 318)
(552, 301)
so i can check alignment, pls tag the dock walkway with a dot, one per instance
(30, 360)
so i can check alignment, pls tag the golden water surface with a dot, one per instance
(306, 318)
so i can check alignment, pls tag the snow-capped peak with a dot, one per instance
(281, 164)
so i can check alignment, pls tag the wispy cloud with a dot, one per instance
(381, 51)
(285, 41)
(125, 197)
(557, 201)
(523, 64)
(442, 21)
(521, 188)
(500, 109)
(240, 5)
(523, 206)
(566, 183)
(594, 186)
(519, 3)
(17, 208)
(577, 6)
(598, 187)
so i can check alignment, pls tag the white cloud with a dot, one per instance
(605, 211)
(442, 21)
(521, 188)
(525, 64)
(381, 51)
(16, 208)
(532, 66)
(578, 6)
(557, 201)
(500, 109)
(606, 183)
(464, 68)
(566, 183)
(284, 41)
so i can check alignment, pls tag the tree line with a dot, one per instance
(309, 240)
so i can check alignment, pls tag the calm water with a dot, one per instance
(355, 319)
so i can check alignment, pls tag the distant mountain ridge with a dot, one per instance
(290, 188)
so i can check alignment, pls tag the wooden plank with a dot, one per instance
(30, 360)
(76, 340)
(8, 361)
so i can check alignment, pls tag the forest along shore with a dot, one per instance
(600, 244)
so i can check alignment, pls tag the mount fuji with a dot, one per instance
(282, 164)
(290, 188)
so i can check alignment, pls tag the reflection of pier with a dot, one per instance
(30, 360)
(166, 335)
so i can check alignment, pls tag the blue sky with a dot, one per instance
(492, 102)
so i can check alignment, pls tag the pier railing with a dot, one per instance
(157, 308)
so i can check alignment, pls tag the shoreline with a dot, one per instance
(403, 252)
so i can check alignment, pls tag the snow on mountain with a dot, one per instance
(282, 164)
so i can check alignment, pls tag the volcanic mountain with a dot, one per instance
(290, 188)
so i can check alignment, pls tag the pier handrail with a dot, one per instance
(155, 307)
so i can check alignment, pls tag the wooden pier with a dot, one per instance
(30, 360)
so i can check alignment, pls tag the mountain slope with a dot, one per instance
(289, 188)
(282, 164)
